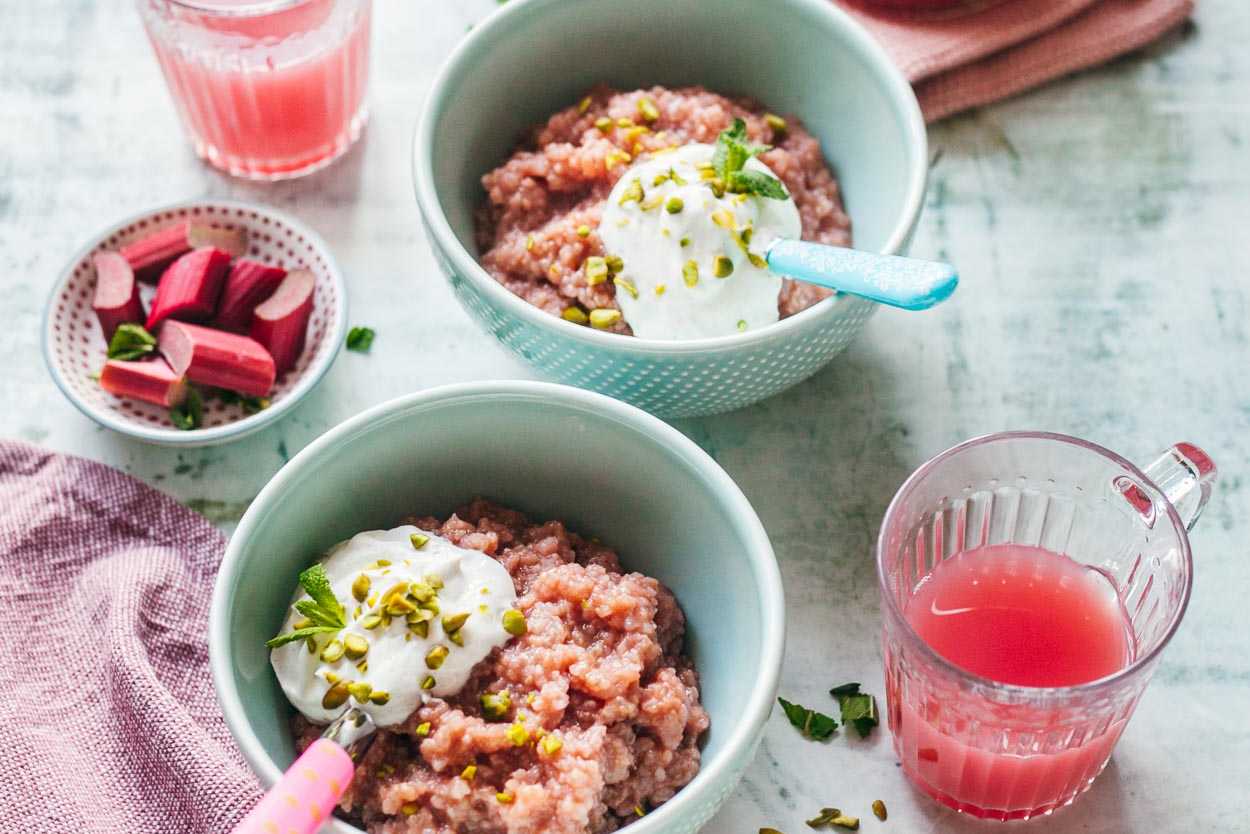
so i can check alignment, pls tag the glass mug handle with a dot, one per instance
(1186, 475)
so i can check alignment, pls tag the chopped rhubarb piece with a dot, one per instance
(280, 324)
(116, 293)
(189, 288)
(152, 381)
(248, 284)
(149, 256)
(217, 358)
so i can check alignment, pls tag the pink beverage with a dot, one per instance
(1019, 615)
(266, 90)
(1023, 615)
(1012, 670)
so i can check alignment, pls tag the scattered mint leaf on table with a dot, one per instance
(859, 709)
(812, 724)
(360, 339)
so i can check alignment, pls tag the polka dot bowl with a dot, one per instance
(806, 57)
(75, 350)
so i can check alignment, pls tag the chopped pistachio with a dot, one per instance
(421, 629)
(360, 587)
(653, 202)
(453, 622)
(421, 591)
(423, 729)
(690, 273)
(456, 637)
(380, 697)
(777, 123)
(518, 735)
(311, 643)
(363, 666)
(434, 657)
(648, 110)
(878, 809)
(660, 179)
(431, 606)
(551, 744)
(419, 540)
(355, 646)
(603, 318)
(410, 808)
(483, 608)
(615, 158)
(335, 696)
(626, 285)
(504, 798)
(722, 266)
(660, 289)
(685, 241)
(675, 177)
(633, 192)
(596, 270)
(638, 811)
(843, 821)
(428, 682)
(724, 218)
(674, 205)
(583, 230)
(529, 243)
(434, 581)
(360, 690)
(822, 819)
(495, 705)
(468, 773)
(742, 325)
(371, 621)
(583, 105)
(757, 261)
(554, 269)
(514, 622)
(576, 315)
(624, 121)
(332, 652)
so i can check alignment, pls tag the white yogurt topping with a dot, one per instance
(649, 239)
(472, 582)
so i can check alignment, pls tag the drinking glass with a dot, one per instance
(1002, 751)
(266, 89)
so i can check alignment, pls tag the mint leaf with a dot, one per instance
(317, 614)
(190, 414)
(360, 339)
(812, 724)
(859, 709)
(845, 689)
(298, 634)
(757, 183)
(130, 342)
(317, 585)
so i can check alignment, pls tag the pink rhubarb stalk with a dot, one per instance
(189, 288)
(281, 323)
(217, 358)
(149, 256)
(248, 284)
(116, 293)
(152, 381)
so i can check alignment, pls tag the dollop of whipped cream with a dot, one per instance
(399, 664)
(693, 261)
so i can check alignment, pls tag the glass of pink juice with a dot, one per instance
(266, 89)
(1029, 582)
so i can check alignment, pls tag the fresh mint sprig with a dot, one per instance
(733, 149)
(323, 608)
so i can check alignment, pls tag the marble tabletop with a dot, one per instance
(1100, 228)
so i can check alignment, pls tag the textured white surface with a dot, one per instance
(1099, 227)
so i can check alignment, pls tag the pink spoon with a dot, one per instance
(306, 794)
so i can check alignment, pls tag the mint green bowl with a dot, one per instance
(606, 468)
(534, 57)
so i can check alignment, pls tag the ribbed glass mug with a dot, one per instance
(266, 89)
(1001, 751)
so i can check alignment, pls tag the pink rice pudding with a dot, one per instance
(601, 718)
(541, 219)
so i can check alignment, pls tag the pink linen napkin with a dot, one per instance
(110, 724)
(988, 51)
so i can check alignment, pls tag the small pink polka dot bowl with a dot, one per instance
(75, 350)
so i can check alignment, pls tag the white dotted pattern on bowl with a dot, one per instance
(77, 346)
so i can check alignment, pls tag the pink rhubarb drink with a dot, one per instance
(267, 89)
(1029, 584)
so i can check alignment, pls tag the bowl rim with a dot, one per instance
(498, 23)
(312, 375)
(738, 747)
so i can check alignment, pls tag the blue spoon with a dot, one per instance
(908, 283)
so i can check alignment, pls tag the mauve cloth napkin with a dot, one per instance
(109, 719)
(986, 51)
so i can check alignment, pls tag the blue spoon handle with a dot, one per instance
(900, 282)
